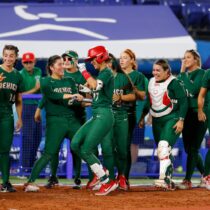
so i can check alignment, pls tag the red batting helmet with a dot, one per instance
(98, 52)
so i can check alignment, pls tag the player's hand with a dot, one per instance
(19, 125)
(81, 67)
(201, 115)
(2, 77)
(179, 126)
(78, 97)
(183, 66)
(141, 123)
(37, 115)
(116, 98)
(37, 86)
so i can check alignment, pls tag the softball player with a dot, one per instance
(58, 92)
(11, 86)
(70, 60)
(123, 93)
(93, 131)
(167, 103)
(193, 133)
(129, 66)
(204, 115)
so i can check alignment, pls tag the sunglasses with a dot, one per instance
(67, 59)
(28, 62)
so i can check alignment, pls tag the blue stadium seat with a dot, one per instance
(149, 2)
(95, 2)
(194, 15)
(176, 7)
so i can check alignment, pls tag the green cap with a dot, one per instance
(71, 53)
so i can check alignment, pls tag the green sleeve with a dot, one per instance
(146, 104)
(141, 82)
(42, 103)
(48, 92)
(192, 86)
(206, 80)
(179, 94)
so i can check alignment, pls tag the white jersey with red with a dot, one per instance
(160, 103)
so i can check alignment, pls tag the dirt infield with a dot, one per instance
(63, 198)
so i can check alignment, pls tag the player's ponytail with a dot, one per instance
(51, 61)
(115, 64)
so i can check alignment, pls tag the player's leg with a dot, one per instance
(168, 138)
(132, 123)
(102, 124)
(53, 180)
(108, 153)
(54, 138)
(6, 137)
(193, 135)
(120, 139)
(74, 125)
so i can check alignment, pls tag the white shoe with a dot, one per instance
(161, 183)
(207, 179)
(203, 182)
(30, 187)
(96, 187)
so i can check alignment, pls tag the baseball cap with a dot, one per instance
(28, 56)
(71, 53)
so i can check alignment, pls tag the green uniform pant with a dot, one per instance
(120, 141)
(163, 129)
(207, 159)
(57, 129)
(131, 126)
(6, 137)
(91, 134)
(193, 134)
(76, 161)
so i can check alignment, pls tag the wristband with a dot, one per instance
(85, 74)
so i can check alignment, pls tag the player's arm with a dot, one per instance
(19, 108)
(139, 90)
(145, 111)
(201, 100)
(92, 83)
(180, 95)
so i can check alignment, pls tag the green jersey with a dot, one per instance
(121, 87)
(29, 81)
(103, 96)
(192, 83)
(138, 80)
(206, 84)
(77, 76)
(80, 80)
(53, 91)
(12, 84)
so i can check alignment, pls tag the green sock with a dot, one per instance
(5, 166)
(207, 164)
(200, 165)
(54, 164)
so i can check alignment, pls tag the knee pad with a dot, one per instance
(163, 150)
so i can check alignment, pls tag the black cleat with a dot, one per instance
(7, 187)
(52, 181)
(77, 184)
